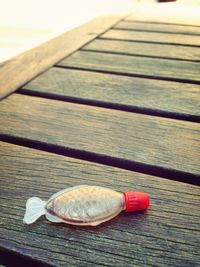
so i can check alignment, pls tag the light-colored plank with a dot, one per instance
(145, 49)
(165, 235)
(157, 27)
(134, 65)
(157, 142)
(172, 98)
(20, 69)
(155, 37)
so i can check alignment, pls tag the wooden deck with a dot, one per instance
(121, 111)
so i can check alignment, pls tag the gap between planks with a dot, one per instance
(145, 49)
(175, 175)
(163, 98)
(152, 37)
(115, 106)
(144, 67)
(53, 125)
(157, 27)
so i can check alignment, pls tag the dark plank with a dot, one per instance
(121, 136)
(19, 70)
(165, 235)
(166, 38)
(157, 27)
(163, 97)
(134, 65)
(145, 49)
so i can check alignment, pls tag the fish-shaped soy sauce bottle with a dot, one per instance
(84, 205)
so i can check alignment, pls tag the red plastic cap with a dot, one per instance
(136, 201)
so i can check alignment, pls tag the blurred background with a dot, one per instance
(27, 23)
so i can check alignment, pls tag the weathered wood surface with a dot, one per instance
(164, 98)
(166, 38)
(20, 69)
(120, 136)
(165, 235)
(157, 27)
(108, 83)
(145, 49)
(134, 65)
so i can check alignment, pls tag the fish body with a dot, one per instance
(80, 205)
(84, 205)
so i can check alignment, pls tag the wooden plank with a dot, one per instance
(145, 49)
(157, 27)
(165, 38)
(134, 65)
(165, 235)
(20, 69)
(118, 137)
(163, 97)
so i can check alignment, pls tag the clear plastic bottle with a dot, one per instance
(85, 205)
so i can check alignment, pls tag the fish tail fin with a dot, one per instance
(34, 209)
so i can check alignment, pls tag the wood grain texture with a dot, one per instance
(118, 91)
(145, 49)
(165, 235)
(134, 65)
(22, 68)
(165, 38)
(118, 135)
(157, 27)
